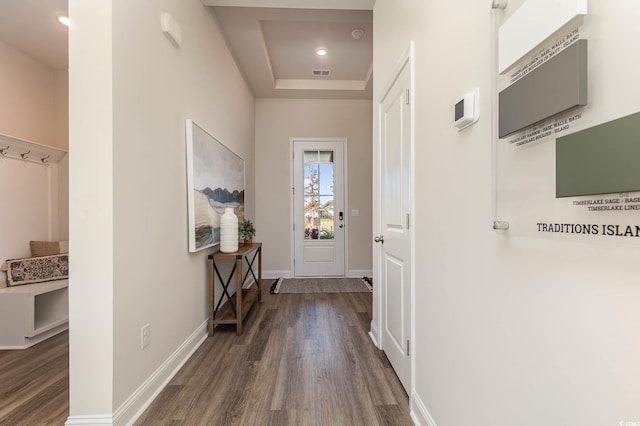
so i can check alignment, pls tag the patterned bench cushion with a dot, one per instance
(37, 269)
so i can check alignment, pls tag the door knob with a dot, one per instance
(379, 239)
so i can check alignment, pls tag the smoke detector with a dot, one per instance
(499, 4)
(357, 33)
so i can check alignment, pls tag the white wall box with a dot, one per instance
(32, 313)
(467, 110)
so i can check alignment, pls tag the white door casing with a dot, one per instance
(395, 209)
(319, 219)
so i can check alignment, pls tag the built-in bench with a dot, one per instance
(32, 313)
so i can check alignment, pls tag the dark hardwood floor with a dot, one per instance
(304, 359)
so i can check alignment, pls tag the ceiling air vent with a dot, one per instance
(321, 73)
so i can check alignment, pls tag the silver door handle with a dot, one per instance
(379, 239)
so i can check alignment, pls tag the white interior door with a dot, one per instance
(318, 199)
(396, 206)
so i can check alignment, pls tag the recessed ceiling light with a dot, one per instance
(321, 51)
(64, 20)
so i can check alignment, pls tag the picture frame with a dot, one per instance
(215, 181)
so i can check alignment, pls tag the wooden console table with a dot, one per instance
(234, 313)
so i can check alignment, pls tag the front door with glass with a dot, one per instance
(319, 220)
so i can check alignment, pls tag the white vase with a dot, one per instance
(228, 231)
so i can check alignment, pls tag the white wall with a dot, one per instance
(132, 113)
(91, 217)
(61, 109)
(29, 199)
(29, 98)
(278, 120)
(515, 328)
(33, 107)
(62, 132)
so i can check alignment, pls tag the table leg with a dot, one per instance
(239, 296)
(260, 273)
(211, 297)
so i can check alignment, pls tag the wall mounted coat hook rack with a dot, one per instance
(24, 150)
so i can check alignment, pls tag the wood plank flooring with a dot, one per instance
(304, 359)
(34, 383)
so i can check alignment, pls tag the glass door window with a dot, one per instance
(319, 220)
(318, 204)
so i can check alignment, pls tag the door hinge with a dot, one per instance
(408, 97)
(408, 220)
(294, 190)
(294, 226)
(408, 352)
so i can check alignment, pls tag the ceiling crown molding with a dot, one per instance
(296, 4)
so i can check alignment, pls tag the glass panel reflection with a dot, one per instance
(319, 221)
(311, 179)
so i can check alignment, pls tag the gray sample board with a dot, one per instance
(556, 86)
(600, 160)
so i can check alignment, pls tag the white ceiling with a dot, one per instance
(275, 50)
(32, 27)
(272, 41)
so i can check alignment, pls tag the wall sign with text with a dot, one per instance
(602, 229)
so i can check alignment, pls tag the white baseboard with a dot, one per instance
(135, 405)
(277, 274)
(142, 397)
(374, 334)
(359, 273)
(97, 420)
(419, 413)
(352, 273)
